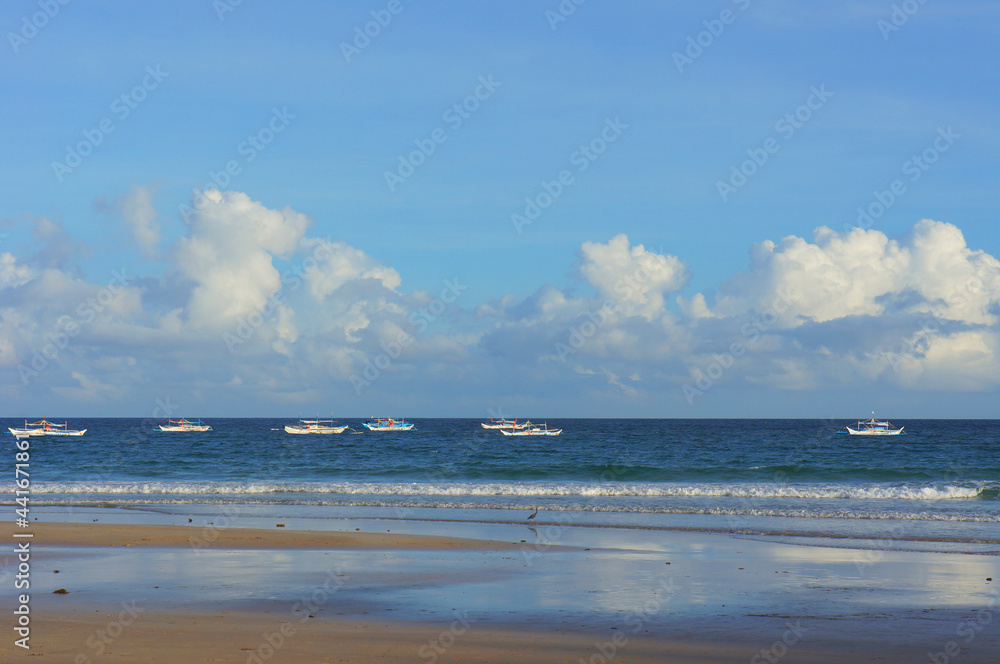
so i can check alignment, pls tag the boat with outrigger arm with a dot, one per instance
(44, 428)
(874, 427)
(387, 424)
(532, 430)
(502, 423)
(184, 425)
(316, 426)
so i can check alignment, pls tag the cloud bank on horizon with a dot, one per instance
(253, 309)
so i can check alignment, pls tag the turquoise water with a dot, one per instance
(941, 480)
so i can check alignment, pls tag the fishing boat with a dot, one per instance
(314, 426)
(184, 425)
(502, 423)
(874, 427)
(532, 430)
(45, 428)
(387, 424)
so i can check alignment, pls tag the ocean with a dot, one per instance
(937, 486)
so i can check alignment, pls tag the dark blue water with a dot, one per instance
(939, 471)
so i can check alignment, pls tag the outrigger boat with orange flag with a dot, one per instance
(45, 428)
(184, 425)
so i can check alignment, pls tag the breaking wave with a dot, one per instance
(978, 491)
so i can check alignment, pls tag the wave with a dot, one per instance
(916, 492)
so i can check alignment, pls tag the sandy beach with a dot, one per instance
(152, 593)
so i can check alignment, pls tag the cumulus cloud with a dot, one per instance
(13, 274)
(338, 264)
(139, 215)
(228, 254)
(57, 249)
(917, 310)
(633, 276)
(864, 273)
(306, 316)
(626, 329)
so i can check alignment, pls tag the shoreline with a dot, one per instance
(918, 535)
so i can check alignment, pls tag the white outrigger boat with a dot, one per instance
(532, 430)
(387, 424)
(874, 427)
(503, 424)
(314, 426)
(45, 428)
(184, 425)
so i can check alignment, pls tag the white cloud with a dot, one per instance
(228, 254)
(13, 274)
(864, 273)
(338, 263)
(139, 215)
(961, 361)
(635, 277)
(56, 249)
(836, 312)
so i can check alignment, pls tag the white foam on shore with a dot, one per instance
(525, 489)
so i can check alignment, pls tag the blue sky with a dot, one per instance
(626, 292)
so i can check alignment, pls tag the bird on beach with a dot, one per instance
(532, 516)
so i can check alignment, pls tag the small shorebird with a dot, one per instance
(532, 516)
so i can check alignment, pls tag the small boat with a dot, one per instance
(532, 430)
(313, 426)
(387, 424)
(184, 425)
(502, 424)
(874, 427)
(45, 428)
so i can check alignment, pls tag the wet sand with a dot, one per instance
(141, 535)
(151, 593)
